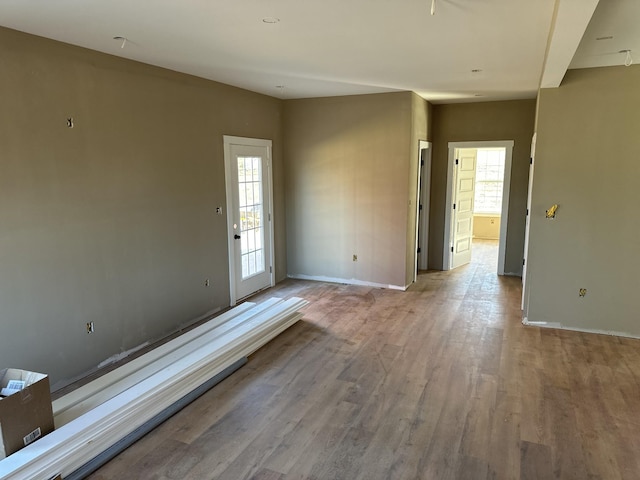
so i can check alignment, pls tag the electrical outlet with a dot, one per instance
(206, 282)
(90, 328)
(355, 257)
(582, 292)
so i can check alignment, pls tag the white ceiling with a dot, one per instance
(339, 47)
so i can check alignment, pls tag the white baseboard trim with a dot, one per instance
(351, 281)
(559, 326)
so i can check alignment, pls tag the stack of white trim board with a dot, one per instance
(95, 417)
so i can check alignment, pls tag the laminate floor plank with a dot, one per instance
(439, 382)
(535, 461)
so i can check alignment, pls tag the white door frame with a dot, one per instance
(256, 142)
(527, 226)
(424, 193)
(504, 216)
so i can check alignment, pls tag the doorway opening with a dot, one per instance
(477, 199)
(422, 208)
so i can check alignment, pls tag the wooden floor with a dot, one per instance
(439, 382)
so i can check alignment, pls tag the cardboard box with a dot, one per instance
(26, 415)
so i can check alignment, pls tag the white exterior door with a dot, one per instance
(249, 200)
(464, 178)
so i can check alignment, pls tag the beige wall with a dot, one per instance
(348, 162)
(486, 227)
(508, 120)
(112, 221)
(587, 153)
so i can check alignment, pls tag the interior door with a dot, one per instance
(248, 165)
(464, 177)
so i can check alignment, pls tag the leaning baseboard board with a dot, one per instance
(108, 410)
(83, 399)
(121, 445)
(350, 281)
(112, 361)
(559, 326)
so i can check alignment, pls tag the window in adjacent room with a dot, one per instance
(489, 181)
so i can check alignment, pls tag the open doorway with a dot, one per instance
(477, 199)
(422, 207)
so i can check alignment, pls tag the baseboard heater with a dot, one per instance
(100, 419)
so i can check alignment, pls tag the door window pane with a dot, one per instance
(251, 215)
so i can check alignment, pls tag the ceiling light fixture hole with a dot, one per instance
(628, 61)
(121, 39)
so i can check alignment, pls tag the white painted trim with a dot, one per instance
(229, 198)
(77, 442)
(504, 216)
(417, 215)
(524, 305)
(351, 281)
(272, 246)
(71, 405)
(229, 140)
(119, 356)
(200, 318)
(559, 326)
(448, 205)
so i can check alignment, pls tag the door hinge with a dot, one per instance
(270, 269)
(269, 217)
(456, 161)
(523, 262)
(530, 160)
(418, 249)
(527, 213)
(422, 163)
(452, 249)
(454, 206)
(420, 207)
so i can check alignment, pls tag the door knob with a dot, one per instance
(237, 237)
